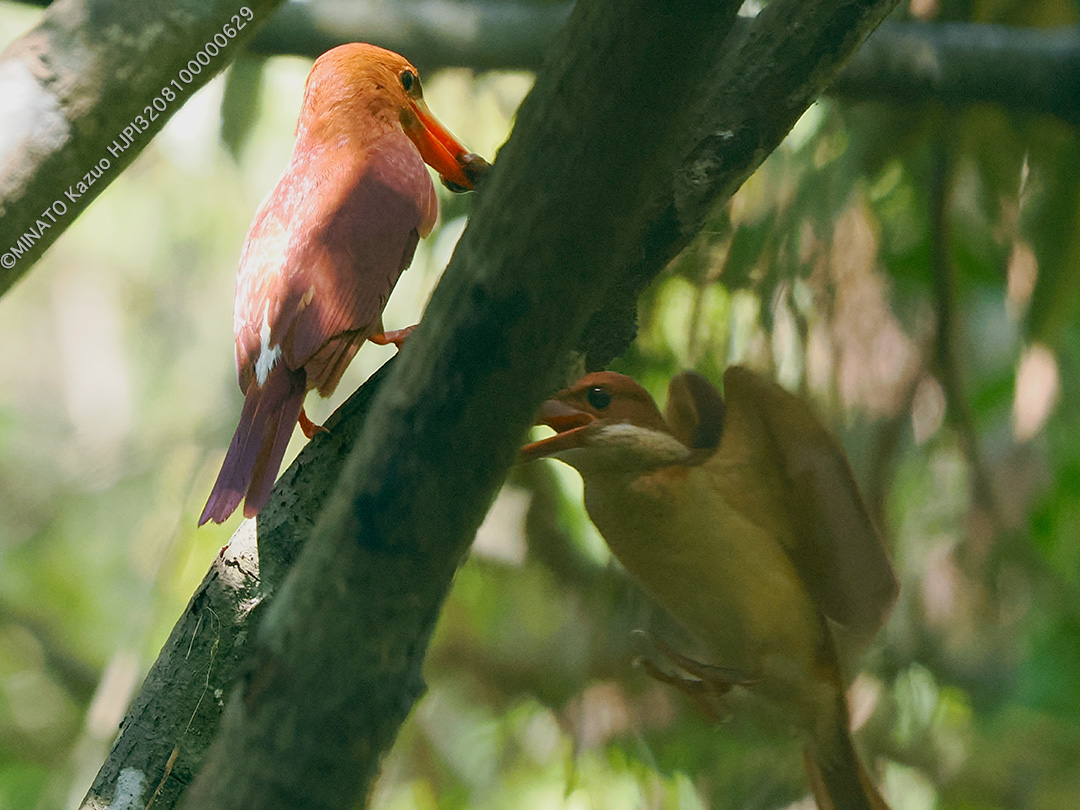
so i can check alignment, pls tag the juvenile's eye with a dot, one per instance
(408, 79)
(598, 398)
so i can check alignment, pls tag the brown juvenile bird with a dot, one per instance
(326, 248)
(742, 519)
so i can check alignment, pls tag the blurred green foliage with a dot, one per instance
(914, 272)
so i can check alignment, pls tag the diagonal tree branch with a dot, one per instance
(172, 720)
(336, 666)
(336, 659)
(84, 91)
(758, 85)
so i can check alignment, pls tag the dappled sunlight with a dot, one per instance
(1022, 273)
(94, 371)
(876, 358)
(501, 537)
(927, 410)
(1037, 390)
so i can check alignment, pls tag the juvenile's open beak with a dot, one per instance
(460, 169)
(569, 424)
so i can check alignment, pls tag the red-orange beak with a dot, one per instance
(569, 424)
(460, 169)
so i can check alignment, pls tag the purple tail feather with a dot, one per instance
(254, 458)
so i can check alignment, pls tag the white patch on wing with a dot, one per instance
(268, 355)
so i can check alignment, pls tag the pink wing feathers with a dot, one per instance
(320, 260)
(327, 248)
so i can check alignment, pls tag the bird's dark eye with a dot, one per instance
(408, 79)
(598, 397)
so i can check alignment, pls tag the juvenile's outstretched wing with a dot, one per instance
(832, 541)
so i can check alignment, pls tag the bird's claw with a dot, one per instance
(702, 693)
(708, 684)
(310, 429)
(395, 336)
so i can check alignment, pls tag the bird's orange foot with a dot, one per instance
(700, 692)
(395, 336)
(310, 428)
(708, 684)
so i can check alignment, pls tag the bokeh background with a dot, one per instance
(913, 271)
